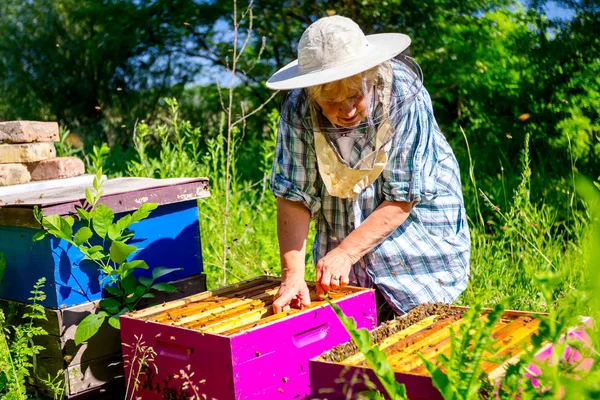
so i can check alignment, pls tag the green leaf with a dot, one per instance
(95, 249)
(83, 214)
(98, 179)
(125, 236)
(376, 358)
(83, 235)
(89, 197)
(139, 292)
(146, 281)
(58, 227)
(143, 212)
(162, 271)
(114, 322)
(115, 291)
(111, 305)
(129, 283)
(130, 265)
(124, 221)
(94, 252)
(103, 218)
(149, 296)
(119, 251)
(39, 235)
(89, 326)
(69, 219)
(2, 265)
(439, 378)
(113, 232)
(3, 382)
(371, 394)
(164, 287)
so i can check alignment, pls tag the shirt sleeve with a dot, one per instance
(294, 175)
(410, 174)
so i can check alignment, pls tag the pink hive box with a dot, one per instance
(231, 345)
(339, 380)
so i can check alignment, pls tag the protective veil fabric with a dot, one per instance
(386, 99)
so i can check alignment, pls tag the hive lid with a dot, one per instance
(233, 309)
(120, 194)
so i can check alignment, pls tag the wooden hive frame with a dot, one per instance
(232, 309)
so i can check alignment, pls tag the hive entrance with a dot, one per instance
(231, 310)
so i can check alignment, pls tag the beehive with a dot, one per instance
(429, 337)
(169, 237)
(87, 368)
(232, 346)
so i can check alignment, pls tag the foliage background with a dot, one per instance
(498, 71)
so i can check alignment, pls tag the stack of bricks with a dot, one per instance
(27, 154)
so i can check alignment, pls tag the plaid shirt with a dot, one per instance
(426, 259)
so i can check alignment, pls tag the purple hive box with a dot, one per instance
(231, 345)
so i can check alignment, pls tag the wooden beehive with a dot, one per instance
(429, 337)
(233, 344)
(89, 368)
(169, 237)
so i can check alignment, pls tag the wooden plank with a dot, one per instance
(443, 347)
(133, 192)
(415, 343)
(212, 305)
(82, 181)
(93, 374)
(392, 339)
(207, 319)
(60, 349)
(14, 312)
(514, 344)
(243, 316)
(87, 366)
(151, 311)
(16, 209)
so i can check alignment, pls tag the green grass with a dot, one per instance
(518, 243)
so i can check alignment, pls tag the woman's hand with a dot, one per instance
(333, 270)
(293, 293)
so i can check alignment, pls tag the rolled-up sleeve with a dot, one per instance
(410, 174)
(294, 175)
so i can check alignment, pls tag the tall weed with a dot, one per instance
(521, 242)
(18, 350)
(173, 149)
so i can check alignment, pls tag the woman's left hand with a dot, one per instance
(333, 271)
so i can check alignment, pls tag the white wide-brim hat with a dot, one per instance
(335, 48)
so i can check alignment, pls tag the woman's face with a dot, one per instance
(346, 112)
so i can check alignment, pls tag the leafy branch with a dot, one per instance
(105, 243)
(376, 358)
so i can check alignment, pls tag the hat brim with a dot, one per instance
(382, 47)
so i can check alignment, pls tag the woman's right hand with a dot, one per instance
(293, 293)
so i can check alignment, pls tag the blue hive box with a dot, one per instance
(169, 237)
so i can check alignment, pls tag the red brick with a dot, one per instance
(26, 152)
(56, 168)
(13, 174)
(28, 132)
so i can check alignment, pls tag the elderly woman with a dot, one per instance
(359, 152)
